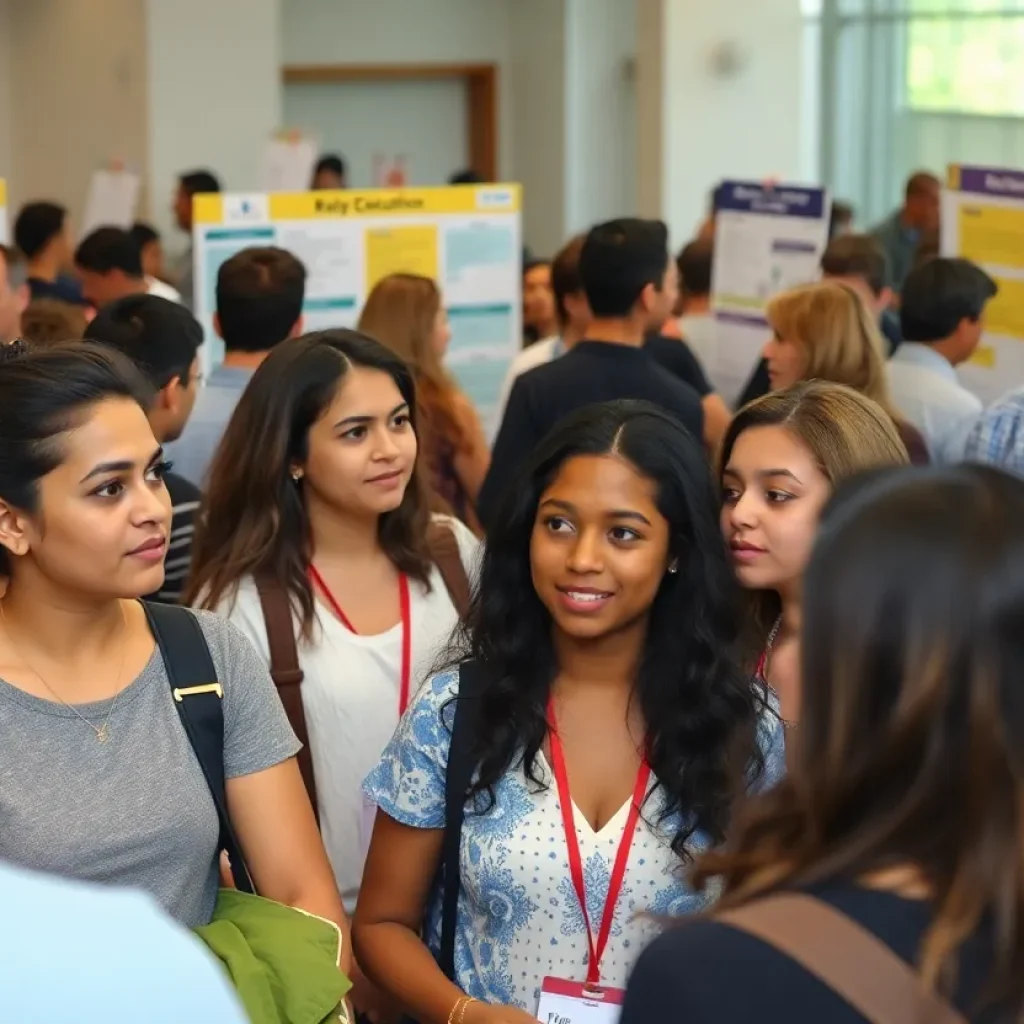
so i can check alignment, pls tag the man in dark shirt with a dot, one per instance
(41, 233)
(162, 338)
(860, 262)
(628, 279)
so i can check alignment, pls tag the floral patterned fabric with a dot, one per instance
(519, 918)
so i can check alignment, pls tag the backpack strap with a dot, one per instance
(199, 700)
(286, 673)
(848, 958)
(444, 551)
(458, 778)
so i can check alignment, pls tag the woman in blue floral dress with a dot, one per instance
(612, 738)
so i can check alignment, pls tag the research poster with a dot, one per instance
(467, 238)
(767, 238)
(5, 234)
(983, 221)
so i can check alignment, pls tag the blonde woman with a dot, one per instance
(825, 331)
(781, 459)
(405, 313)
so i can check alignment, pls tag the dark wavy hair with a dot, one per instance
(253, 520)
(702, 711)
(911, 744)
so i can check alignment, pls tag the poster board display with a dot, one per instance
(983, 221)
(112, 198)
(467, 239)
(289, 161)
(768, 237)
(5, 230)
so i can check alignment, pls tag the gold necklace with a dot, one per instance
(103, 731)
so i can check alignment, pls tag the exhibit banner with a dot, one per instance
(468, 239)
(768, 237)
(983, 221)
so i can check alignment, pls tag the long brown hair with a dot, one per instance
(845, 433)
(253, 520)
(400, 312)
(910, 752)
(838, 334)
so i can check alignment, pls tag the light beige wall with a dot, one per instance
(78, 94)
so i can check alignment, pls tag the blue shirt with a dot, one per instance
(75, 952)
(215, 403)
(995, 438)
(519, 917)
(900, 244)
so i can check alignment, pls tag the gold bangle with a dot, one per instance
(455, 1009)
(465, 1005)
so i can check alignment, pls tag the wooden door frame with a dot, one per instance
(481, 96)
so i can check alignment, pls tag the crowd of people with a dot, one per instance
(651, 694)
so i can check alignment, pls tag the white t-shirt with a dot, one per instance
(161, 288)
(350, 693)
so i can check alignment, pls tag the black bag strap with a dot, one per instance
(458, 779)
(198, 697)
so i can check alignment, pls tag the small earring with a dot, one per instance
(296, 475)
(674, 568)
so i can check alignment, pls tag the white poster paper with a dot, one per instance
(112, 199)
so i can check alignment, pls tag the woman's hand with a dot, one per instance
(485, 1013)
(370, 1002)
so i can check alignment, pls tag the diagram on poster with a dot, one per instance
(467, 239)
(767, 238)
(983, 221)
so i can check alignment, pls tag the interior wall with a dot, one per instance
(62, 126)
(600, 64)
(215, 93)
(730, 78)
(540, 120)
(404, 32)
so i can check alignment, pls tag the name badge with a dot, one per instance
(575, 1002)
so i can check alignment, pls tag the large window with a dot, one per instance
(966, 58)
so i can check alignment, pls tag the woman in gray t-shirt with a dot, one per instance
(98, 780)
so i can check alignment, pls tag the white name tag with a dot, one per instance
(573, 1002)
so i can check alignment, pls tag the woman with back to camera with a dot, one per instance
(315, 500)
(405, 313)
(98, 779)
(825, 331)
(603, 632)
(782, 457)
(904, 807)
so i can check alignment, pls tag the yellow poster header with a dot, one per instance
(331, 205)
(3, 192)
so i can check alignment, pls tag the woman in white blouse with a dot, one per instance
(314, 493)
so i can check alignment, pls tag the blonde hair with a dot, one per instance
(838, 335)
(401, 313)
(845, 432)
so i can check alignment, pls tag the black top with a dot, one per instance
(760, 383)
(708, 973)
(185, 499)
(676, 356)
(591, 371)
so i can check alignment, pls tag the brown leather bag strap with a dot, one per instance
(285, 671)
(444, 550)
(849, 959)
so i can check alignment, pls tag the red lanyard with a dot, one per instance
(572, 843)
(403, 601)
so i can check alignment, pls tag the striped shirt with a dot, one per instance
(185, 497)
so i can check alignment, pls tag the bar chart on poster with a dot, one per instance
(466, 238)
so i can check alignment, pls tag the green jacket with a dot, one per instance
(283, 962)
